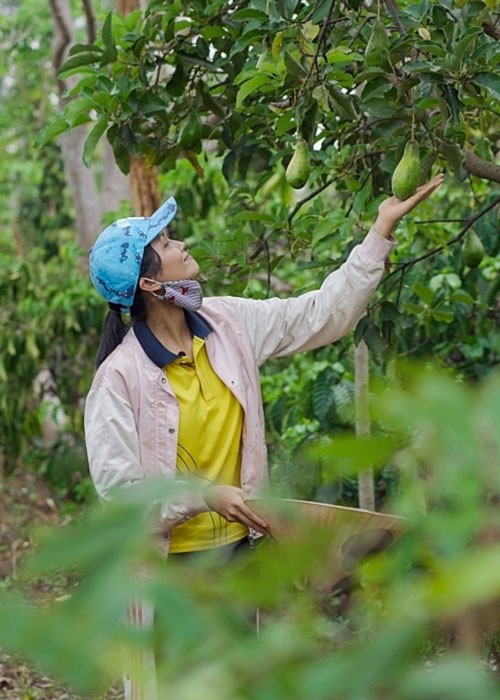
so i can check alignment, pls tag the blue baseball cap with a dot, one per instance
(115, 259)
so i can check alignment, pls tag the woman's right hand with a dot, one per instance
(229, 502)
(392, 209)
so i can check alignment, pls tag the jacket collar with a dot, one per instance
(156, 351)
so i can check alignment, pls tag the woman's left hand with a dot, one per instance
(392, 210)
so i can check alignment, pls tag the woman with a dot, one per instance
(177, 394)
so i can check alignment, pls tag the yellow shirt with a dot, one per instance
(210, 426)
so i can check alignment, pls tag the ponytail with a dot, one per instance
(114, 329)
(112, 334)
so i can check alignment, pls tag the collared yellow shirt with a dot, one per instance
(209, 446)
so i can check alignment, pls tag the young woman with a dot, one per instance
(177, 393)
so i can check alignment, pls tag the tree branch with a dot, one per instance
(393, 8)
(314, 63)
(491, 29)
(91, 21)
(470, 222)
(63, 36)
(480, 167)
(308, 199)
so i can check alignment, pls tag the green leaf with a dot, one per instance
(432, 48)
(419, 66)
(321, 95)
(294, 69)
(342, 102)
(93, 139)
(424, 293)
(490, 81)
(249, 87)
(376, 88)
(342, 54)
(375, 342)
(379, 108)
(122, 156)
(151, 103)
(75, 62)
(442, 316)
(310, 31)
(75, 108)
(51, 131)
(249, 14)
(454, 156)
(323, 397)
(85, 48)
(107, 31)
(463, 44)
(462, 297)
(277, 46)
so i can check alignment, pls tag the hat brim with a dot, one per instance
(161, 219)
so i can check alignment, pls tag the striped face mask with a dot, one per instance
(184, 293)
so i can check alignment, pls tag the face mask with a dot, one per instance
(184, 293)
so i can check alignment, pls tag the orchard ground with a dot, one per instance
(26, 501)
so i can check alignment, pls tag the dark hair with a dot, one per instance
(114, 328)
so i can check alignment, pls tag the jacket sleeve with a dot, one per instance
(279, 327)
(114, 458)
(112, 441)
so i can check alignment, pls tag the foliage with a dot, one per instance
(43, 302)
(26, 80)
(248, 80)
(406, 605)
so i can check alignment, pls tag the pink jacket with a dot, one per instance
(131, 413)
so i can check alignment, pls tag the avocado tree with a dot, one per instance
(341, 87)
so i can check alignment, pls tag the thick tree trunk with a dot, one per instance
(88, 203)
(143, 179)
(83, 187)
(116, 185)
(144, 185)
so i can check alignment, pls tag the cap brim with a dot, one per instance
(161, 218)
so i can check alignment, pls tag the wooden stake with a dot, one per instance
(366, 487)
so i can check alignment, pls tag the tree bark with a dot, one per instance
(80, 179)
(143, 178)
(115, 185)
(88, 203)
(480, 167)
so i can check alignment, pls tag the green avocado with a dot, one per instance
(190, 135)
(406, 176)
(299, 168)
(472, 249)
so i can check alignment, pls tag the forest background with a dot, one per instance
(107, 109)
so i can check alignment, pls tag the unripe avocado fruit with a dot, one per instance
(299, 168)
(406, 176)
(190, 135)
(472, 249)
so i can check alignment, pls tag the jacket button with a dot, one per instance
(171, 430)
(163, 380)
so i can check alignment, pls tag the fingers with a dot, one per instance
(240, 512)
(430, 186)
(252, 520)
(229, 502)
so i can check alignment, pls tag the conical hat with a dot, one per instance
(352, 533)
